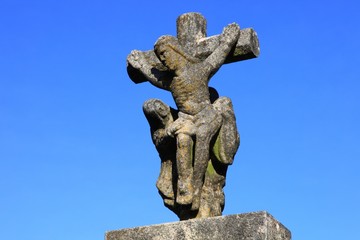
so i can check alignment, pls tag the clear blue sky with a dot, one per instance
(76, 158)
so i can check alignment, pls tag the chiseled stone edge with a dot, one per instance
(247, 226)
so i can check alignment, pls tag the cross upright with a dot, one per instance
(191, 34)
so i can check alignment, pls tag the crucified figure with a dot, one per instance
(197, 118)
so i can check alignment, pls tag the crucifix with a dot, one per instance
(198, 140)
(191, 33)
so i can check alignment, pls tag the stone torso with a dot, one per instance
(190, 90)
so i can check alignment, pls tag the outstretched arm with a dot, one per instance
(145, 66)
(228, 39)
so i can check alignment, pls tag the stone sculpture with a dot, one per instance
(197, 141)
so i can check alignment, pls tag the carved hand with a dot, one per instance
(231, 33)
(181, 126)
(135, 59)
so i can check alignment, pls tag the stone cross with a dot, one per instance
(197, 141)
(191, 34)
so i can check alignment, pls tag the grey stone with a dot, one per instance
(191, 33)
(198, 140)
(248, 226)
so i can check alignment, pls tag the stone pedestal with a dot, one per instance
(247, 226)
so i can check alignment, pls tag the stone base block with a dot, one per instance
(247, 226)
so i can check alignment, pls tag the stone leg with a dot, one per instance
(209, 122)
(212, 195)
(184, 159)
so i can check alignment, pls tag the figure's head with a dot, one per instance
(171, 54)
(157, 113)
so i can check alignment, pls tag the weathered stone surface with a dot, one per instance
(191, 33)
(198, 140)
(248, 226)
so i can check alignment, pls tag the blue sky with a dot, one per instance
(76, 158)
